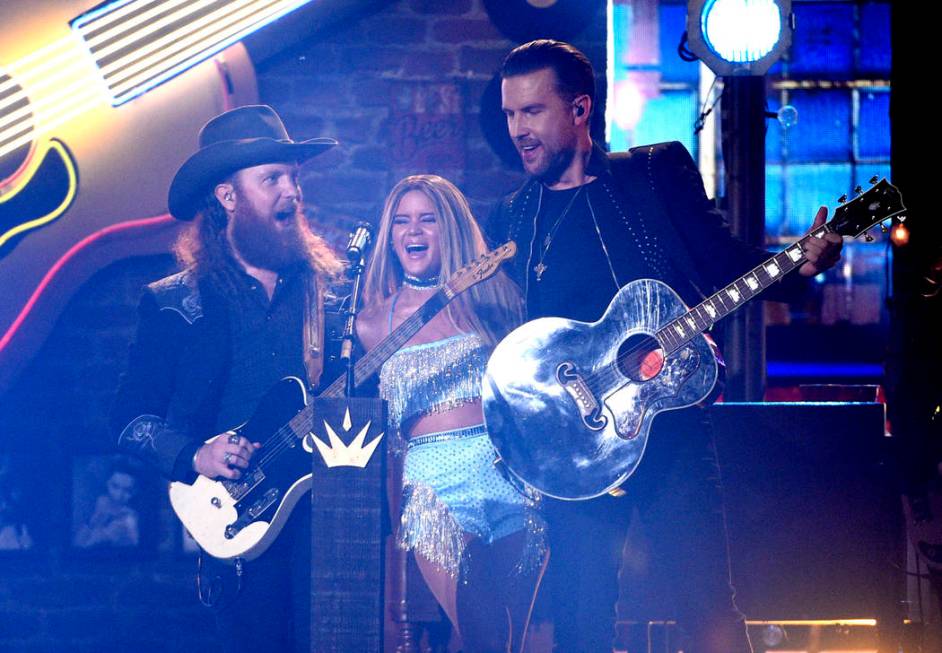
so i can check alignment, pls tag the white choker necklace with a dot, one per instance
(421, 284)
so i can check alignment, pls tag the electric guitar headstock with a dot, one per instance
(477, 271)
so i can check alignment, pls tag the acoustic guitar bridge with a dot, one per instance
(578, 390)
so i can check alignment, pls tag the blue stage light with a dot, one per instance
(739, 37)
(741, 31)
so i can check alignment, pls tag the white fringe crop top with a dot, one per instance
(432, 377)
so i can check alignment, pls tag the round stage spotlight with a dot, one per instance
(739, 37)
(722, 22)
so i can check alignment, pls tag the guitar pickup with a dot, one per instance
(250, 479)
(262, 504)
(257, 508)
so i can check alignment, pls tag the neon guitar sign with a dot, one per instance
(76, 159)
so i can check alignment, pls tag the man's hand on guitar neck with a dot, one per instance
(822, 253)
(225, 455)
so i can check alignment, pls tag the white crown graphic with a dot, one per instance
(337, 454)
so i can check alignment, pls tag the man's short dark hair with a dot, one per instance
(573, 69)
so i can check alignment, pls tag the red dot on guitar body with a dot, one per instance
(651, 364)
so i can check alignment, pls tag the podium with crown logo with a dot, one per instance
(348, 522)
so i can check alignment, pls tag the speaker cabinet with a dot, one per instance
(813, 518)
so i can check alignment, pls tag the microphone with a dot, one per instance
(360, 241)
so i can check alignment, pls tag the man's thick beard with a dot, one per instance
(263, 247)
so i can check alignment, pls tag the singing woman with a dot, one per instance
(478, 539)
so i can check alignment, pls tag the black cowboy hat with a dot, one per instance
(237, 139)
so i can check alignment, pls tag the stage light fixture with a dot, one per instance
(739, 37)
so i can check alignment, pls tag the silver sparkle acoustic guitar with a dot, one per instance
(569, 404)
(240, 518)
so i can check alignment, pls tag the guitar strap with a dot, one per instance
(313, 337)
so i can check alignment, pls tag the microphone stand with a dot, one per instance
(346, 348)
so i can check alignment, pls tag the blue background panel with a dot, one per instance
(873, 124)
(808, 186)
(774, 132)
(774, 218)
(673, 18)
(824, 126)
(875, 51)
(669, 117)
(621, 31)
(822, 45)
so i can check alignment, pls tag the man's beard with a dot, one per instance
(554, 165)
(262, 246)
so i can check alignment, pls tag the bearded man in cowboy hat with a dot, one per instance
(246, 311)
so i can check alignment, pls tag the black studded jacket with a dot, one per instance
(653, 220)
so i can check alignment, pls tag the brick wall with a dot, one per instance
(401, 89)
(368, 83)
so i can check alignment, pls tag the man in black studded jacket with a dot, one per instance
(586, 223)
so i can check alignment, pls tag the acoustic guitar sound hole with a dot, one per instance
(640, 358)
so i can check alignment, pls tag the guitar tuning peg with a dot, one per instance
(873, 180)
(842, 199)
(884, 228)
(868, 237)
(858, 190)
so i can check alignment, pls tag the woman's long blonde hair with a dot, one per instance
(490, 308)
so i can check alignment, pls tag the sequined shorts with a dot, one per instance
(452, 487)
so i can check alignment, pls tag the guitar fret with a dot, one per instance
(302, 423)
(702, 319)
(663, 336)
(795, 253)
(789, 262)
(747, 292)
(663, 339)
(763, 276)
(719, 298)
(697, 318)
(710, 309)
